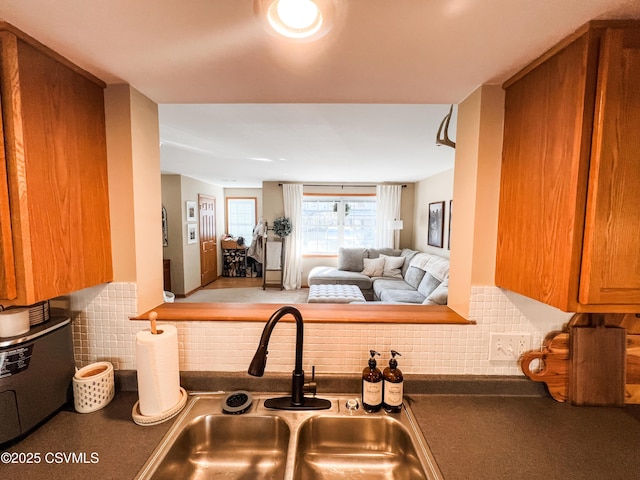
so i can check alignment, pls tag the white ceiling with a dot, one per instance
(390, 53)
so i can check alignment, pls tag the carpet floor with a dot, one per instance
(248, 295)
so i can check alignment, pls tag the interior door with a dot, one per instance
(208, 243)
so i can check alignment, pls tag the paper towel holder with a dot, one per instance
(153, 316)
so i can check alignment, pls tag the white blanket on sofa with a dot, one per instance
(433, 264)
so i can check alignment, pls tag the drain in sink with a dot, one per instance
(237, 402)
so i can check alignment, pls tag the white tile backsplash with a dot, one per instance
(102, 331)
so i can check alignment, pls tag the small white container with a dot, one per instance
(14, 322)
(93, 387)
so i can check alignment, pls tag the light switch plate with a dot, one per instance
(508, 347)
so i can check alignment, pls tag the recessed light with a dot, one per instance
(301, 20)
(261, 159)
(295, 18)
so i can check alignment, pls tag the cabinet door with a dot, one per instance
(7, 270)
(55, 150)
(547, 127)
(611, 259)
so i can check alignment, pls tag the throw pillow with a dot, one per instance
(428, 284)
(373, 267)
(351, 259)
(414, 276)
(441, 293)
(392, 266)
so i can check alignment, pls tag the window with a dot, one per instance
(331, 222)
(241, 217)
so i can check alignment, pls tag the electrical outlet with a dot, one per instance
(507, 347)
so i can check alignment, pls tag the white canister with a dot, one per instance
(93, 387)
(14, 321)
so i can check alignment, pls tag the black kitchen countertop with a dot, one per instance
(472, 433)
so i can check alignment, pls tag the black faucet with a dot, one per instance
(297, 400)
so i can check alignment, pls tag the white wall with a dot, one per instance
(185, 257)
(133, 152)
(433, 189)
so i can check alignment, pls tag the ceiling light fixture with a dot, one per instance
(295, 18)
(301, 20)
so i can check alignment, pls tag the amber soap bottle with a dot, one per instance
(372, 385)
(393, 385)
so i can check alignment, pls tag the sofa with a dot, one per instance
(389, 275)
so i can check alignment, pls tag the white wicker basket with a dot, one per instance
(93, 387)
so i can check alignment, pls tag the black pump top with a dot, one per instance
(393, 363)
(372, 360)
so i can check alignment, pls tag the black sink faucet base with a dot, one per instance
(285, 403)
(297, 400)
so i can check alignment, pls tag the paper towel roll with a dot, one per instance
(14, 322)
(158, 370)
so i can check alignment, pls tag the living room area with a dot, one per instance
(339, 218)
(339, 154)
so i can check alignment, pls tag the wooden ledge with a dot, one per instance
(320, 313)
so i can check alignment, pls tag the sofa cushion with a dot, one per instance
(428, 284)
(373, 267)
(392, 266)
(385, 283)
(329, 275)
(441, 294)
(402, 296)
(351, 259)
(413, 276)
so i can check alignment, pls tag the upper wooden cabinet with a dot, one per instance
(54, 210)
(569, 219)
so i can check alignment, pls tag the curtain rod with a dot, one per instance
(341, 186)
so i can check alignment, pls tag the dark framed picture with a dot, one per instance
(450, 214)
(436, 224)
(165, 228)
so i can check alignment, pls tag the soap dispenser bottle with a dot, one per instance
(372, 385)
(393, 388)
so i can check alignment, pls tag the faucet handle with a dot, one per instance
(310, 387)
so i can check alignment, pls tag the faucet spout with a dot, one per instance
(259, 362)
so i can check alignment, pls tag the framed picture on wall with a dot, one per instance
(450, 213)
(436, 224)
(191, 211)
(165, 228)
(192, 233)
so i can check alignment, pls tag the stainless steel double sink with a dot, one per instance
(338, 443)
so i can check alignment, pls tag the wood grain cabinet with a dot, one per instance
(569, 218)
(54, 211)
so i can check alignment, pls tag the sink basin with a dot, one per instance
(230, 447)
(371, 448)
(262, 443)
(226, 446)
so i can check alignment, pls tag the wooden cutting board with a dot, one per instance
(597, 370)
(554, 366)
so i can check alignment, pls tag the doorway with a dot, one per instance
(208, 240)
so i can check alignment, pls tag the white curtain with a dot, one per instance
(388, 199)
(292, 275)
